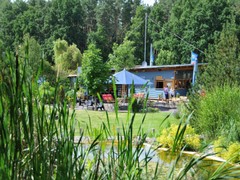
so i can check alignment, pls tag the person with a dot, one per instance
(172, 92)
(166, 93)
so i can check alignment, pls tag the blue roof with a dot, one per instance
(125, 77)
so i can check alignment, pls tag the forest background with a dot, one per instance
(117, 28)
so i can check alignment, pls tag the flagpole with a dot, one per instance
(195, 69)
(145, 38)
(194, 61)
(151, 55)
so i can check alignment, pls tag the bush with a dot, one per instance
(138, 103)
(46, 92)
(227, 150)
(190, 139)
(70, 96)
(181, 111)
(218, 113)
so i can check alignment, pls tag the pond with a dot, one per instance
(167, 161)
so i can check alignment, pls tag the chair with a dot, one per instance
(100, 106)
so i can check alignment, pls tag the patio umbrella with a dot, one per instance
(125, 77)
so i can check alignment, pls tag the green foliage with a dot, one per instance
(33, 57)
(136, 34)
(190, 139)
(174, 27)
(67, 58)
(233, 152)
(70, 96)
(123, 56)
(46, 91)
(95, 72)
(138, 104)
(223, 59)
(217, 113)
(164, 57)
(227, 149)
(192, 25)
(38, 141)
(48, 72)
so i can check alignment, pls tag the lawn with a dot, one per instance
(153, 121)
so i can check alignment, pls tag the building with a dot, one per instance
(178, 77)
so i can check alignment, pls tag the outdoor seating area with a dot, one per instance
(89, 103)
(108, 103)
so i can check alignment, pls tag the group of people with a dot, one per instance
(168, 92)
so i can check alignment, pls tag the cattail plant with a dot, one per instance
(38, 138)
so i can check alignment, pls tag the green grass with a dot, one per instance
(153, 121)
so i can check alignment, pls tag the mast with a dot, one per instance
(145, 38)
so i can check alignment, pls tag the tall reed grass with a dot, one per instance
(38, 140)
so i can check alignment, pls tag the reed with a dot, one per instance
(38, 139)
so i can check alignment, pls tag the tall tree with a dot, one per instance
(122, 56)
(67, 58)
(192, 26)
(65, 21)
(223, 59)
(107, 14)
(95, 72)
(136, 34)
(10, 26)
(90, 7)
(34, 54)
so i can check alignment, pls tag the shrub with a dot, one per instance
(190, 139)
(181, 111)
(70, 96)
(227, 150)
(233, 152)
(220, 145)
(138, 103)
(46, 92)
(151, 109)
(217, 113)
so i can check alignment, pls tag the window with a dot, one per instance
(159, 84)
(182, 83)
(162, 83)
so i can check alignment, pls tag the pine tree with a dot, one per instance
(223, 59)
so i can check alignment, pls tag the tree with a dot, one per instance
(95, 72)
(136, 34)
(223, 59)
(122, 56)
(64, 20)
(30, 54)
(108, 26)
(67, 58)
(192, 26)
(90, 6)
